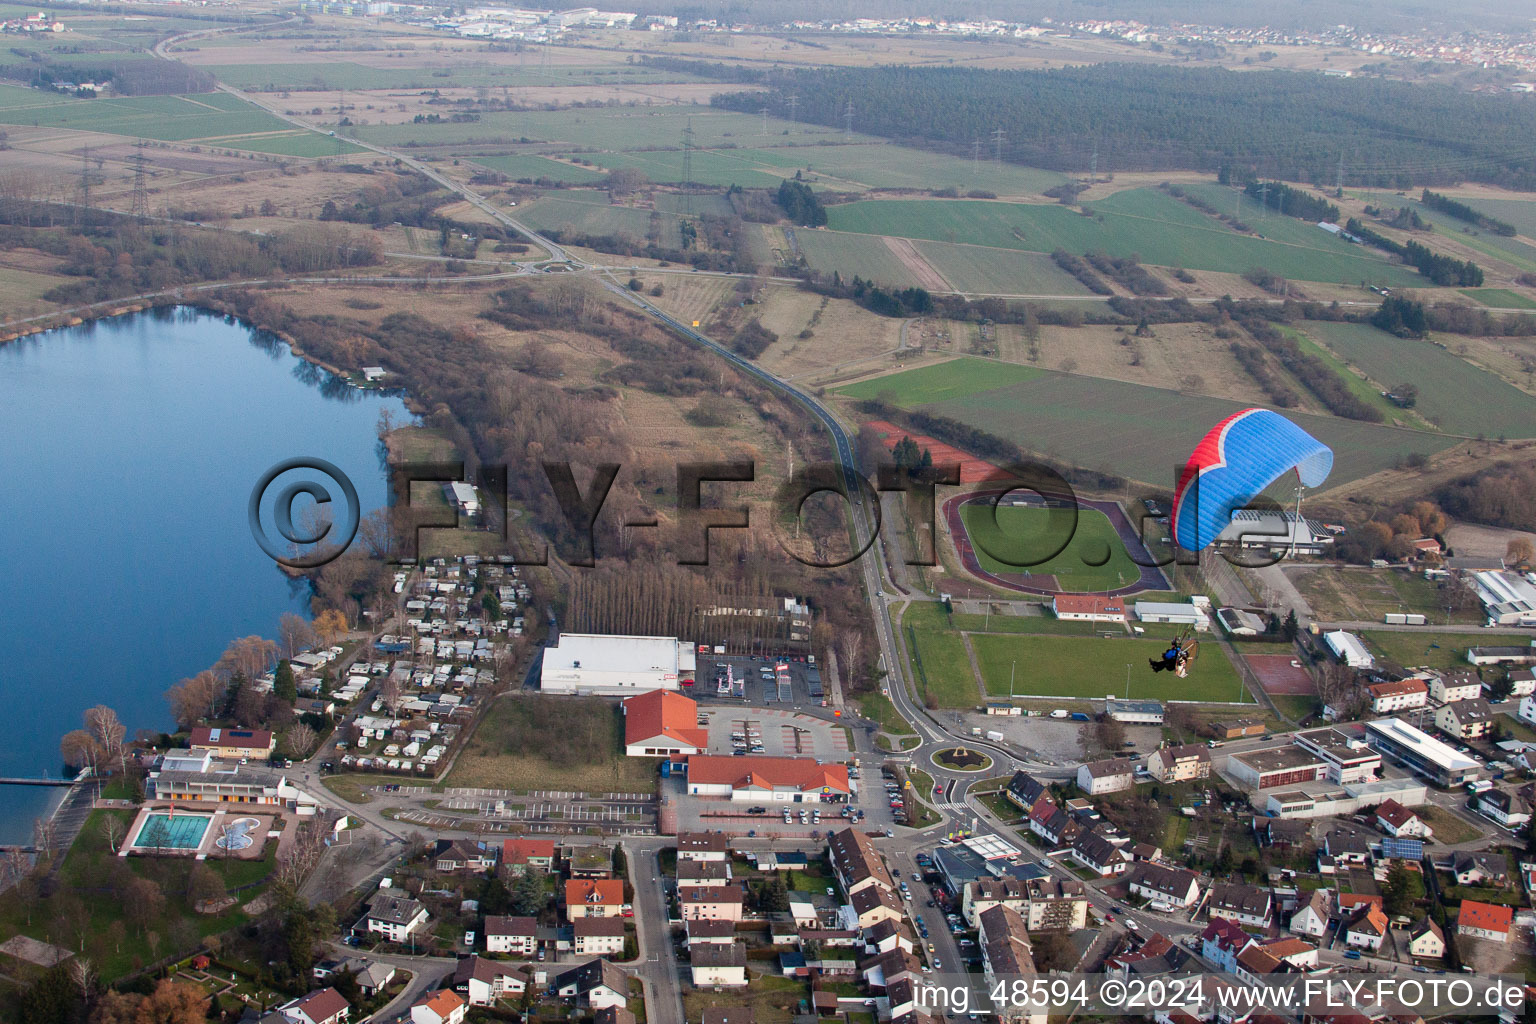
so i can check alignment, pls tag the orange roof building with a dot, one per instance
(1088, 607)
(786, 779)
(594, 897)
(518, 855)
(662, 723)
(445, 1006)
(1490, 921)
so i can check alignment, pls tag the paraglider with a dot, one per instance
(1238, 459)
(1181, 653)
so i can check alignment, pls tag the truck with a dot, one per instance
(975, 730)
(1079, 716)
(994, 735)
(1404, 619)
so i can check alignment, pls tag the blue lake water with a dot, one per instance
(130, 449)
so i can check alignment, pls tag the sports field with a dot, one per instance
(1024, 539)
(1460, 397)
(951, 380)
(941, 667)
(1145, 433)
(1160, 229)
(1093, 667)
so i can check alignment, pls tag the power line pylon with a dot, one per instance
(140, 192)
(688, 167)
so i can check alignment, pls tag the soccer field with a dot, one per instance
(1020, 539)
(1095, 667)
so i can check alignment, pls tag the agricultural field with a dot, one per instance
(1367, 391)
(1160, 229)
(1499, 298)
(877, 164)
(530, 166)
(590, 213)
(353, 75)
(609, 129)
(865, 256)
(709, 167)
(1341, 595)
(980, 269)
(954, 379)
(1017, 542)
(214, 119)
(1144, 433)
(1054, 666)
(1454, 394)
(1432, 649)
(1519, 212)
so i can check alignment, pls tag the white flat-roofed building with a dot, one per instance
(616, 665)
(464, 497)
(1349, 649)
(1509, 599)
(1281, 532)
(1349, 760)
(1420, 753)
(1173, 613)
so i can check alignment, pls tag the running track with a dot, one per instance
(1152, 578)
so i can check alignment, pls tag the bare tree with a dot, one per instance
(195, 698)
(301, 740)
(82, 975)
(248, 656)
(79, 749)
(103, 724)
(294, 634)
(112, 829)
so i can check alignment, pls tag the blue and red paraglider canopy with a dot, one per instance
(1238, 459)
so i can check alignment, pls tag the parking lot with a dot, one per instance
(722, 815)
(771, 732)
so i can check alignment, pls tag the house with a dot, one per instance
(856, 862)
(517, 935)
(594, 985)
(593, 897)
(1255, 962)
(1108, 776)
(445, 1006)
(1311, 918)
(463, 855)
(1160, 884)
(722, 903)
(1246, 904)
(590, 861)
(1348, 844)
(1508, 809)
(1054, 824)
(1522, 683)
(1094, 851)
(597, 936)
(695, 846)
(1007, 957)
(1088, 608)
(519, 855)
(663, 723)
(1222, 941)
(372, 978)
(1299, 953)
(482, 982)
(704, 872)
(233, 744)
(1491, 921)
(888, 935)
(1024, 791)
(323, 1006)
(1465, 719)
(1396, 820)
(620, 1015)
(1045, 904)
(1397, 695)
(872, 904)
(719, 966)
(1366, 928)
(767, 779)
(1480, 869)
(705, 930)
(394, 915)
(1426, 940)
(1180, 764)
(1450, 687)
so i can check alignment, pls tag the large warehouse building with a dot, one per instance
(1419, 753)
(600, 665)
(767, 779)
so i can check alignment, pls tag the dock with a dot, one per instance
(16, 781)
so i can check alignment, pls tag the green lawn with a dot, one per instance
(1453, 393)
(879, 708)
(1160, 229)
(1027, 540)
(1499, 298)
(954, 379)
(1435, 650)
(1049, 666)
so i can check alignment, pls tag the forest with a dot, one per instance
(1461, 211)
(1276, 124)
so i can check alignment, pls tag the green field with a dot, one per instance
(1054, 666)
(953, 379)
(1454, 394)
(1499, 298)
(351, 75)
(977, 268)
(1021, 540)
(588, 212)
(540, 167)
(851, 255)
(215, 119)
(1436, 650)
(1359, 387)
(1160, 229)
(941, 668)
(1143, 433)
(600, 129)
(1519, 212)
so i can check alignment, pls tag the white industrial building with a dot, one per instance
(1280, 532)
(1509, 599)
(1349, 649)
(603, 665)
(1173, 613)
(1420, 753)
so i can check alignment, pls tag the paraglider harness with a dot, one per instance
(1181, 651)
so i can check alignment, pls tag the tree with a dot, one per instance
(1519, 551)
(204, 884)
(195, 698)
(247, 656)
(529, 893)
(1405, 394)
(112, 829)
(102, 723)
(143, 902)
(300, 741)
(284, 686)
(173, 1002)
(1054, 951)
(1109, 735)
(330, 624)
(79, 749)
(294, 634)
(1395, 891)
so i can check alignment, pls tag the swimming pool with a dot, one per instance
(237, 834)
(171, 832)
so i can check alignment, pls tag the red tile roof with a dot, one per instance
(1088, 604)
(1394, 813)
(322, 1005)
(1398, 688)
(1490, 917)
(245, 739)
(442, 1002)
(663, 714)
(799, 773)
(597, 892)
(521, 851)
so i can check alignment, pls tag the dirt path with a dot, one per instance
(926, 275)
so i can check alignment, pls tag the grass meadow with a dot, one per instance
(1093, 667)
(954, 379)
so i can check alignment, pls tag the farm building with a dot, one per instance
(590, 664)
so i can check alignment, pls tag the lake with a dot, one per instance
(131, 449)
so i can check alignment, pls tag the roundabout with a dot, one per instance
(959, 759)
